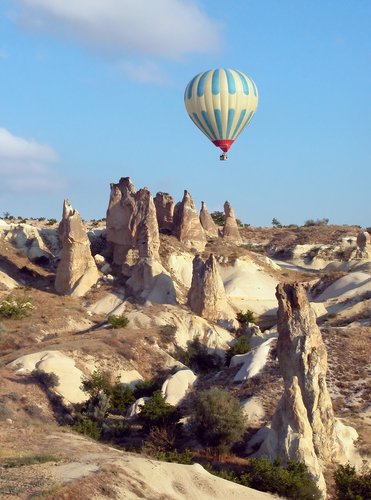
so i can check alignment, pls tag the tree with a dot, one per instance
(244, 318)
(350, 485)
(98, 382)
(276, 222)
(217, 419)
(242, 346)
(218, 218)
(157, 413)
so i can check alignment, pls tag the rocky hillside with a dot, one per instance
(158, 296)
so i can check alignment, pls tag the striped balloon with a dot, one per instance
(221, 102)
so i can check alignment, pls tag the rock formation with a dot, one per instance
(207, 297)
(363, 250)
(164, 204)
(303, 427)
(230, 229)
(132, 222)
(77, 271)
(207, 222)
(187, 225)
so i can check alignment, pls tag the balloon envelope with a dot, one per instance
(221, 102)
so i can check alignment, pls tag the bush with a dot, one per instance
(157, 413)
(146, 388)
(87, 427)
(217, 419)
(276, 222)
(48, 380)
(118, 321)
(242, 346)
(219, 219)
(197, 357)
(244, 318)
(350, 485)
(317, 222)
(15, 307)
(292, 481)
(51, 222)
(8, 463)
(121, 397)
(98, 382)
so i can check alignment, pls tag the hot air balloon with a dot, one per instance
(221, 103)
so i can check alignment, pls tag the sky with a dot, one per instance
(92, 90)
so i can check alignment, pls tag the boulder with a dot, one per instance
(187, 225)
(363, 250)
(77, 271)
(132, 222)
(177, 385)
(207, 297)
(207, 222)
(230, 229)
(164, 204)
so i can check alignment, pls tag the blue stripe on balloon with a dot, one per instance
(231, 82)
(215, 83)
(218, 119)
(245, 85)
(254, 87)
(199, 124)
(190, 87)
(205, 116)
(201, 84)
(251, 114)
(231, 113)
(242, 115)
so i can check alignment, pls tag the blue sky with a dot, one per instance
(92, 91)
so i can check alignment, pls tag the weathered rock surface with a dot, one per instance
(207, 222)
(151, 282)
(207, 297)
(132, 222)
(187, 225)
(303, 427)
(363, 250)
(164, 204)
(230, 229)
(77, 271)
(177, 385)
(31, 242)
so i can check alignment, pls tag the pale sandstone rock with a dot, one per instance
(29, 241)
(77, 271)
(207, 297)
(176, 386)
(63, 366)
(149, 281)
(187, 225)
(164, 204)
(132, 222)
(207, 222)
(230, 229)
(304, 426)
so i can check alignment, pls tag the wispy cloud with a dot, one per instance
(146, 72)
(161, 28)
(25, 165)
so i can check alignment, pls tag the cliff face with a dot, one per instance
(77, 271)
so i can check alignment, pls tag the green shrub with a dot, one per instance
(146, 388)
(157, 413)
(15, 307)
(87, 427)
(96, 383)
(48, 380)
(292, 482)
(317, 222)
(244, 318)
(350, 485)
(118, 321)
(197, 357)
(242, 346)
(217, 419)
(51, 222)
(185, 457)
(121, 397)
